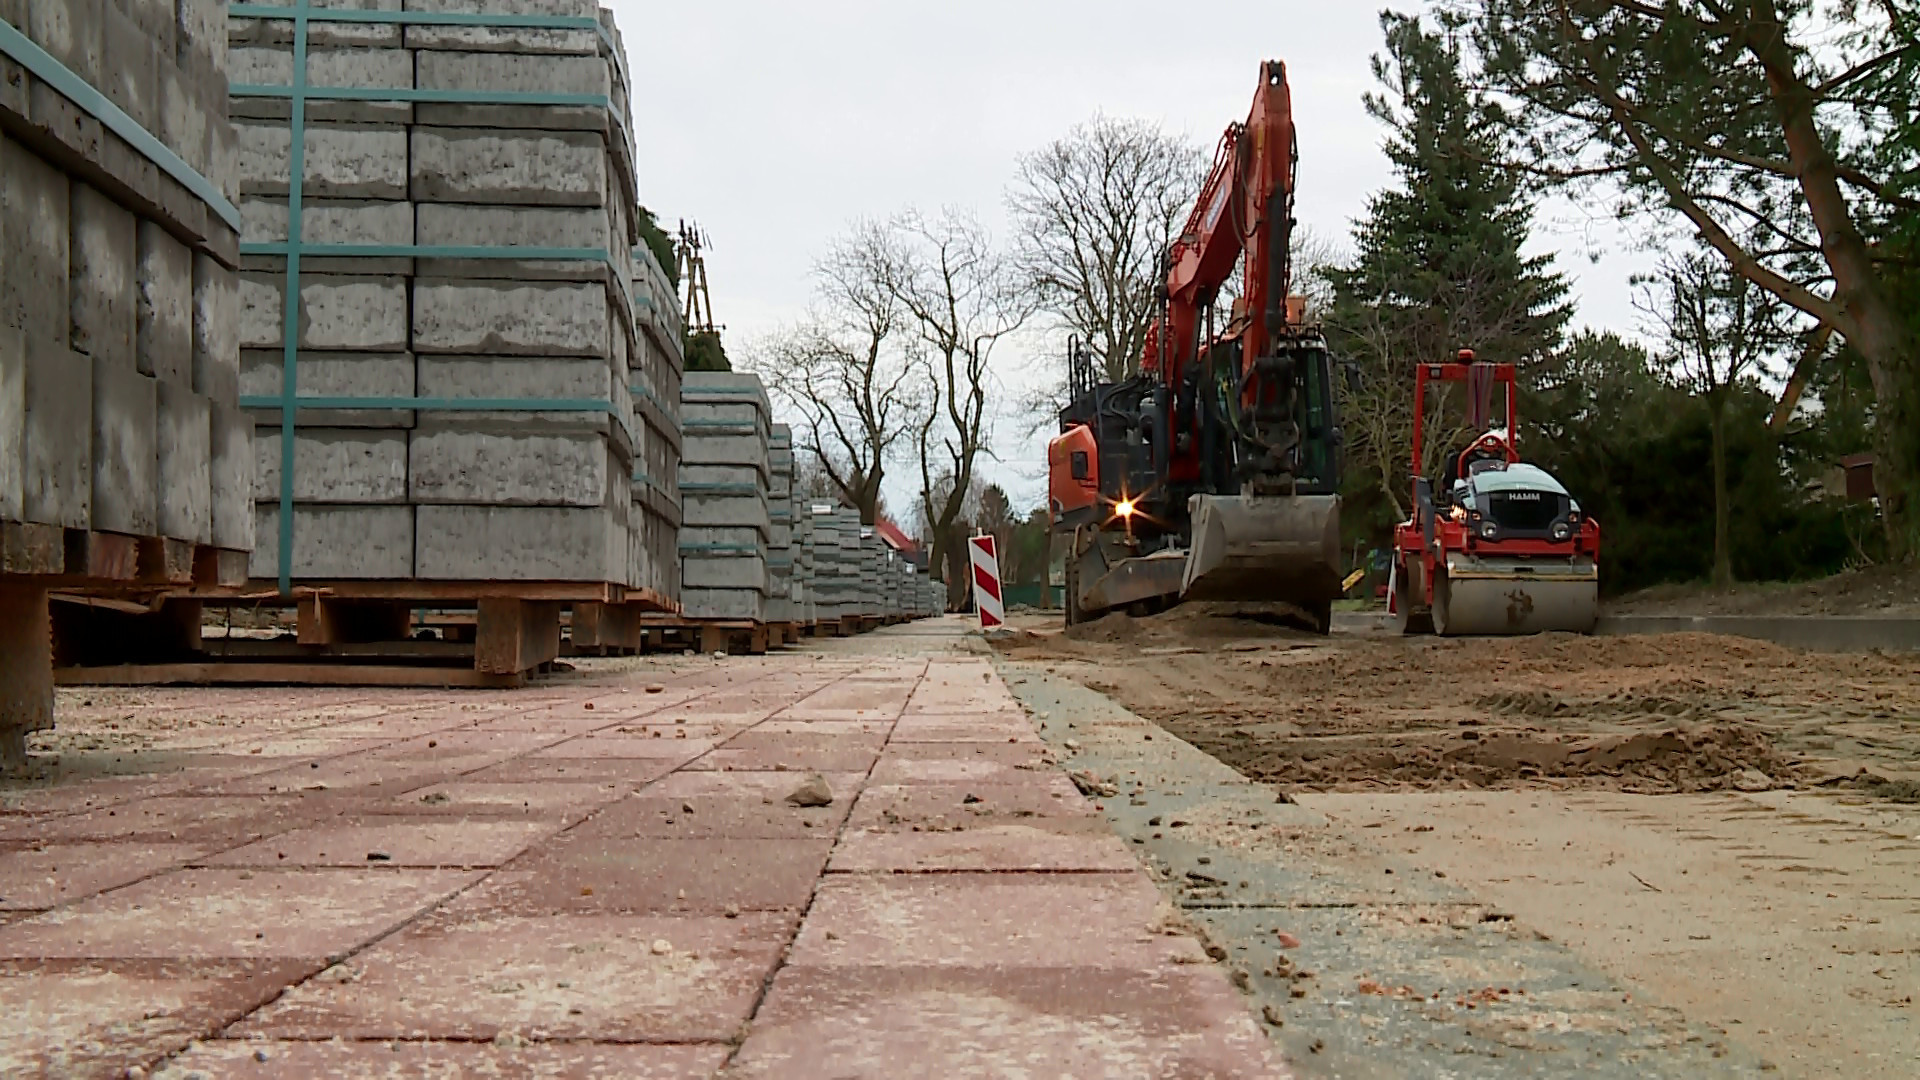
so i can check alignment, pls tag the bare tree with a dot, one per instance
(962, 297)
(849, 368)
(1094, 214)
(1722, 329)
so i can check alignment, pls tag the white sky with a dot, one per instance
(774, 124)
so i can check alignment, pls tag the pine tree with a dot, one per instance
(1439, 264)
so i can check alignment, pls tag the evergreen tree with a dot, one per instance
(1439, 264)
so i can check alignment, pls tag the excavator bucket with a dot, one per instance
(1268, 549)
(1492, 596)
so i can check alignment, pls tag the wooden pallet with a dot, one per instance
(289, 674)
(486, 634)
(736, 637)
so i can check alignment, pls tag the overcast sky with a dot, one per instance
(774, 124)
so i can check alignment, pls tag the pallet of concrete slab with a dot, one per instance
(735, 637)
(347, 633)
(438, 319)
(122, 451)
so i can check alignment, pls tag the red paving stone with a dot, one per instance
(1061, 845)
(471, 973)
(742, 816)
(84, 1018)
(1042, 795)
(877, 1024)
(985, 920)
(979, 919)
(627, 874)
(467, 798)
(34, 878)
(618, 747)
(443, 1061)
(387, 842)
(234, 913)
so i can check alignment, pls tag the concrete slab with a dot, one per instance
(211, 914)
(753, 751)
(768, 786)
(600, 747)
(475, 975)
(1040, 796)
(33, 878)
(410, 843)
(564, 802)
(623, 774)
(991, 920)
(206, 821)
(85, 1018)
(738, 816)
(662, 876)
(334, 1060)
(877, 1024)
(1055, 846)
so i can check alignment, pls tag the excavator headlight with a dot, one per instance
(1562, 531)
(1489, 531)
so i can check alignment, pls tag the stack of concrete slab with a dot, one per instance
(725, 477)
(835, 586)
(119, 426)
(872, 572)
(482, 426)
(782, 605)
(656, 374)
(806, 605)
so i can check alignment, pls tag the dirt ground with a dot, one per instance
(1732, 826)
(1874, 590)
(1679, 713)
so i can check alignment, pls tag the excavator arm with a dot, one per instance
(1242, 221)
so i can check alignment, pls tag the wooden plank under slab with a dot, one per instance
(245, 674)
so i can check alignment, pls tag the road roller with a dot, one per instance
(1495, 545)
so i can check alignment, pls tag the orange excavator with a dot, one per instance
(1211, 475)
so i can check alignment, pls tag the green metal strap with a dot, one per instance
(429, 251)
(720, 427)
(95, 104)
(428, 404)
(293, 249)
(431, 97)
(719, 489)
(722, 549)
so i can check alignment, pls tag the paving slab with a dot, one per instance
(331, 1060)
(471, 973)
(882, 1023)
(214, 821)
(768, 786)
(622, 773)
(991, 920)
(738, 816)
(213, 914)
(755, 752)
(565, 802)
(87, 1018)
(656, 876)
(621, 747)
(55, 874)
(428, 842)
(1036, 795)
(1058, 846)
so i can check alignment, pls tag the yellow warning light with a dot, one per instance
(1124, 508)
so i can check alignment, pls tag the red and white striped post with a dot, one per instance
(986, 582)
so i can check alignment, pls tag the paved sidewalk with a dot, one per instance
(598, 877)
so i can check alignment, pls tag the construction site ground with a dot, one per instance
(1678, 855)
(1199, 845)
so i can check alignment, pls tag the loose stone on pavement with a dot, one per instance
(854, 860)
